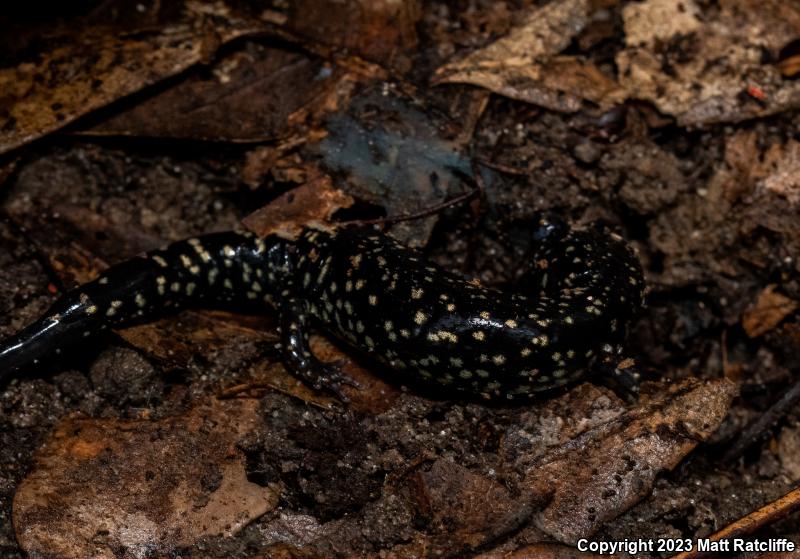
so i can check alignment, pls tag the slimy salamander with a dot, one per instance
(426, 324)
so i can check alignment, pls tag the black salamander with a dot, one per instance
(427, 325)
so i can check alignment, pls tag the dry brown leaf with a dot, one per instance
(585, 459)
(98, 67)
(262, 160)
(525, 65)
(768, 311)
(178, 340)
(703, 69)
(466, 510)
(247, 96)
(775, 201)
(100, 485)
(604, 471)
(375, 29)
(312, 203)
(557, 422)
(742, 153)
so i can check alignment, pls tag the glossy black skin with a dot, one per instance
(382, 299)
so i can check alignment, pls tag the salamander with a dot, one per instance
(427, 325)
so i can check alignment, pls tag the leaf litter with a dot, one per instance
(487, 473)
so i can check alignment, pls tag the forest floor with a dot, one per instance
(124, 126)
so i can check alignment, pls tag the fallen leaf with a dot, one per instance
(704, 68)
(465, 510)
(525, 65)
(557, 422)
(101, 485)
(178, 340)
(375, 29)
(98, 66)
(768, 311)
(260, 161)
(247, 96)
(605, 470)
(311, 204)
(395, 155)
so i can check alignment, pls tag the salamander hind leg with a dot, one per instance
(297, 355)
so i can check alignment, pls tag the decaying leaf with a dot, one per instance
(605, 470)
(525, 65)
(396, 156)
(465, 510)
(375, 29)
(557, 422)
(708, 67)
(585, 461)
(176, 341)
(768, 311)
(246, 96)
(277, 159)
(312, 203)
(98, 67)
(698, 67)
(101, 485)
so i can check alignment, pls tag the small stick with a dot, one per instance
(755, 432)
(518, 171)
(768, 514)
(478, 188)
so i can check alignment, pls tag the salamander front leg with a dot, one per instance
(297, 356)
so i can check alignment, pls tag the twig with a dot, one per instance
(477, 189)
(768, 514)
(518, 171)
(754, 432)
